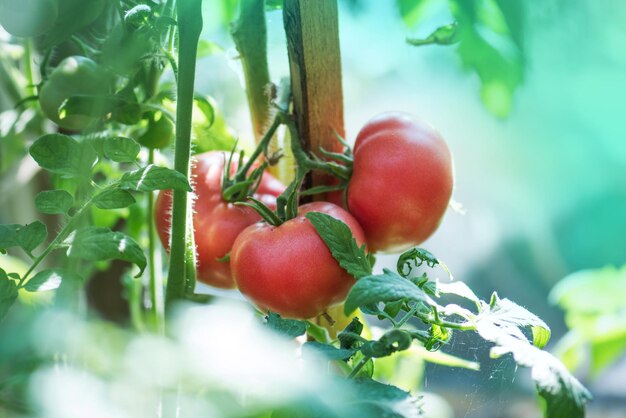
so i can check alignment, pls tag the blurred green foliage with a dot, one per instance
(490, 37)
(595, 313)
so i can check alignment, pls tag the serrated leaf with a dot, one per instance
(328, 351)
(50, 279)
(95, 244)
(376, 391)
(121, 149)
(63, 155)
(8, 236)
(54, 202)
(113, 199)
(510, 317)
(152, 178)
(386, 287)
(457, 288)
(342, 245)
(564, 395)
(8, 295)
(30, 236)
(291, 328)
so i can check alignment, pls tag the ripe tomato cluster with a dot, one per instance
(398, 191)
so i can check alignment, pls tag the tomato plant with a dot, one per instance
(401, 181)
(288, 268)
(217, 222)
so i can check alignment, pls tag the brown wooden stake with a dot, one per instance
(312, 29)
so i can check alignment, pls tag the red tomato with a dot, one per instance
(401, 182)
(289, 269)
(216, 223)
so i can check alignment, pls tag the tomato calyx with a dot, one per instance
(286, 204)
(246, 180)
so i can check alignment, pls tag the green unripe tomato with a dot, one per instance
(159, 133)
(28, 18)
(74, 76)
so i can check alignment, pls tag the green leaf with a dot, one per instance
(121, 149)
(342, 245)
(32, 235)
(113, 199)
(328, 351)
(318, 333)
(152, 178)
(63, 155)
(54, 202)
(291, 328)
(95, 244)
(350, 336)
(50, 280)
(8, 294)
(509, 317)
(8, 236)
(591, 292)
(375, 391)
(563, 394)
(491, 46)
(207, 48)
(443, 35)
(386, 287)
(594, 312)
(500, 324)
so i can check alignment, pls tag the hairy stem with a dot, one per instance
(69, 227)
(156, 280)
(250, 35)
(189, 27)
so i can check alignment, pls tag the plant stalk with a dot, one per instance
(249, 32)
(189, 28)
(156, 279)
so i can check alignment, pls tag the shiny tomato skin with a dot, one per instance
(288, 269)
(401, 182)
(216, 223)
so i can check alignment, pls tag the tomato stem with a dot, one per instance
(28, 67)
(189, 28)
(249, 32)
(156, 279)
(359, 366)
